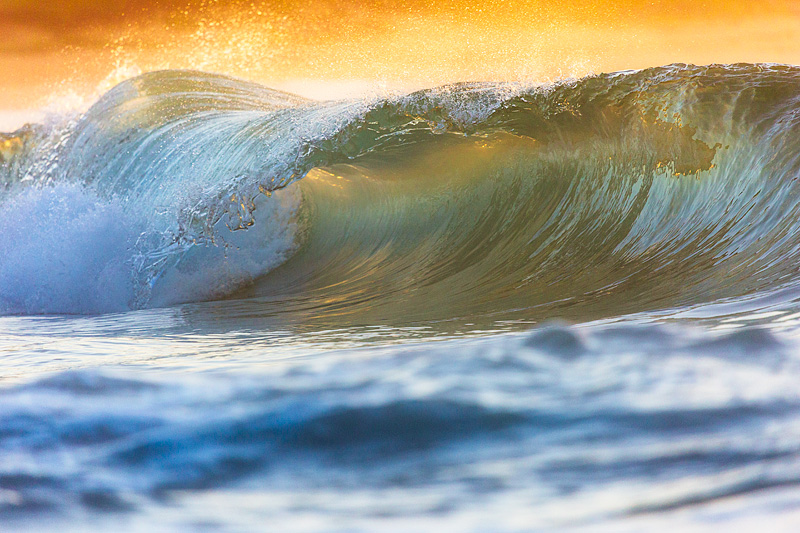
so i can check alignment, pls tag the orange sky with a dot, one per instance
(322, 48)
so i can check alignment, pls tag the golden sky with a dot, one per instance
(326, 47)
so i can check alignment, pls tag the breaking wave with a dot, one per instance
(608, 195)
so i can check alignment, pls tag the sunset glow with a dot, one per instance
(333, 48)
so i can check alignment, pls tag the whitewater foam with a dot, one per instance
(65, 250)
(68, 250)
(236, 258)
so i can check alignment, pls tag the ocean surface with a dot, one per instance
(481, 307)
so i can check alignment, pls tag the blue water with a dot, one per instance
(483, 307)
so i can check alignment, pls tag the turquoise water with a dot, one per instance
(482, 307)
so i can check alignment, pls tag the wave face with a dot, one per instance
(609, 195)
